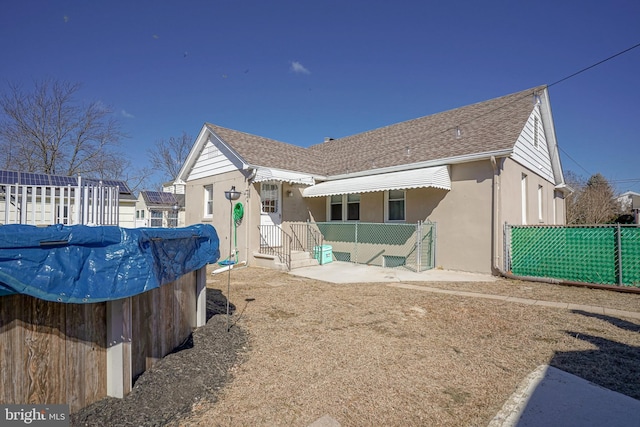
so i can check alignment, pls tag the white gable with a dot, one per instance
(532, 149)
(211, 161)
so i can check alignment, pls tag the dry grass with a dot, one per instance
(372, 354)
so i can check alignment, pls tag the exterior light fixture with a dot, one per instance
(175, 208)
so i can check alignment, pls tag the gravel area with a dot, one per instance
(191, 375)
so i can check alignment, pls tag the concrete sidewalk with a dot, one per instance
(551, 397)
(347, 272)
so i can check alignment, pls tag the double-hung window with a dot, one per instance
(395, 205)
(156, 218)
(208, 201)
(344, 207)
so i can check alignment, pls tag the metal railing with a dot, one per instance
(597, 254)
(85, 203)
(305, 236)
(275, 241)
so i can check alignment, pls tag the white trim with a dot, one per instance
(208, 197)
(344, 207)
(386, 207)
(523, 187)
(437, 177)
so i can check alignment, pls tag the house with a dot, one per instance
(40, 199)
(159, 209)
(630, 202)
(469, 170)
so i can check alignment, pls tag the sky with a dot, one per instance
(298, 71)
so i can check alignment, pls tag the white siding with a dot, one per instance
(535, 158)
(211, 161)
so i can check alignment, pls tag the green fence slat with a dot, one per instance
(583, 254)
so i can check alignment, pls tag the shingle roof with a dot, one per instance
(260, 151)
(487, 126)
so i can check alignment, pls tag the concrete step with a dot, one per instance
(302, 259)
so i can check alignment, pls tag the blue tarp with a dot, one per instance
(82, 264)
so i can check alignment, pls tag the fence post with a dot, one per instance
(201, 298)
(419, 246)
(619, 250)
(355, 250)
(506, 245)
(119, 372)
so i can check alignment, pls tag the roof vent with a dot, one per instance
(327, 139)
(458, 132)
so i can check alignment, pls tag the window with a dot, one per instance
(172, 218)
(344, 207)
(353, 207)
(269, 198)
(395, 205)
(208, 200)
(137, 214)
(523, 184)
(336, 208)
(540, 207)
(156, 218)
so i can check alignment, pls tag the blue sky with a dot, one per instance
(299, 71)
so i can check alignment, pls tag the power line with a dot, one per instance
(594, 65)
(575, 161)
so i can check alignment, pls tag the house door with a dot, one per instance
(271, 212)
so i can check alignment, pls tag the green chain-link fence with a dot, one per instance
(602, 254)
(411, 246)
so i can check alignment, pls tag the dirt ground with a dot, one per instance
(374, 354)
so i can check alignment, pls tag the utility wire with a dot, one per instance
(594, 65)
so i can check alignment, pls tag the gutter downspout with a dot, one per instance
(498, 271)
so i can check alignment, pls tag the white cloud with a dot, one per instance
(127, 115)
(297, 67)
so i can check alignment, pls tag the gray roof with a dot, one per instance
(484, 127)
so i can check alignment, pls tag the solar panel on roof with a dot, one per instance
(62, 181)
(8, 177)
(27, 178)
(124, 188)
(160, 198)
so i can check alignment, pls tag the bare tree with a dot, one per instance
(47, 131)
(572, 201)
(593, 201)
(168, 156)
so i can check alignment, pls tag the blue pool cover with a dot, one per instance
(83, 264)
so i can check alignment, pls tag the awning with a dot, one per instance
(268, 174)
(436, 177)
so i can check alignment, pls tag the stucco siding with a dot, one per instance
(464, 221)
(221, 210)
(531, 149)
(539, 210)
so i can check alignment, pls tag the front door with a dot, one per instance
(271, 212)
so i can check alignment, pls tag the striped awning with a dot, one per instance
(269, 174)
(436, 177)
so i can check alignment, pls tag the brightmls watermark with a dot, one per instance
(34, 415)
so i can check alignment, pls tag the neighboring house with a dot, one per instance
(469, 170)
(159, 209)
(630, 202)
(40, 199)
